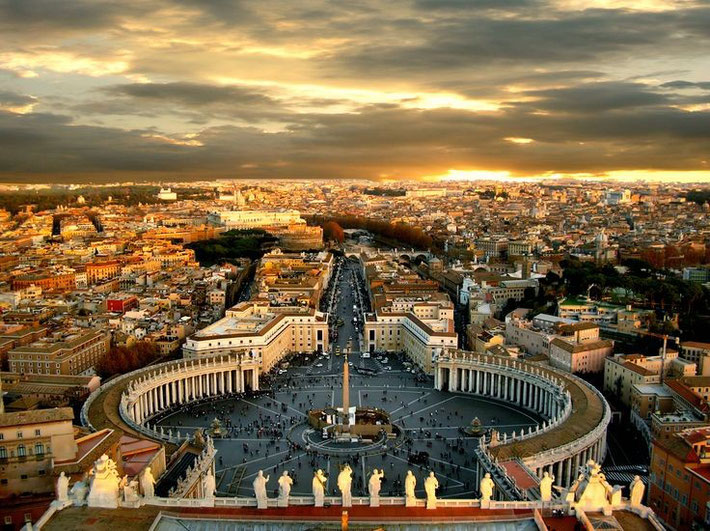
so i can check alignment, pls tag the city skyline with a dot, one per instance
(174, 90)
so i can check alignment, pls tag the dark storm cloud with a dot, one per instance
(596, 97)
(191, 94)
(14, 99)
(25, 16)
(553, 74)
(375, 140)
(474, 4)
(471, 41)
(705, 85)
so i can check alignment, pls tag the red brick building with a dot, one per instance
(679, 488)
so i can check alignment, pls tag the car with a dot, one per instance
(319, 364)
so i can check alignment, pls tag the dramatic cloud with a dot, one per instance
(195, 88)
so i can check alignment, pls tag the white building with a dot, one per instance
(166, 194)
(269, 332)
(254, 219)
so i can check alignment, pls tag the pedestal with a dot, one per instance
(410, 502)
(282, 502)
(430, 504)
(374, 501)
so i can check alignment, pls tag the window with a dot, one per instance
(37, 433)
(3, 452)
(21, 451)
(39, 449)
(19, 435)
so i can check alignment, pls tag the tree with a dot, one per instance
(333, 231)
(120, 360)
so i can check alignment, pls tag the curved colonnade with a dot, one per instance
(576, 414)
(574, 430)
(146, 393)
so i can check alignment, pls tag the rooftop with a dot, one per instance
(37, 416)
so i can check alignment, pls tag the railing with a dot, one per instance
(587, 440)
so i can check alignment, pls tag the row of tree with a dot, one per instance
(231, 246)
(403, 233)
(121, 360)
(51, 198)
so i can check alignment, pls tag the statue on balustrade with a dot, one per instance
(546, 487)
(486, 488)
(209, 485)
(103, 486)
(636, 490)
(147, 483)
(62, 488)
(260, 489)
(430, 486)
(374, 486)
(285, 483)
(410, 484)
(319, 481)
(345, 479)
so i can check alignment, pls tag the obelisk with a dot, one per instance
(346, 395)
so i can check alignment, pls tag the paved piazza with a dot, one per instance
(431, 419)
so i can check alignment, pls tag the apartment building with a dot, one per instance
(97, 272)
(410, 314)
(579, 349)
(66, 352)
(30, 442)
(698, 353)
(679, 481)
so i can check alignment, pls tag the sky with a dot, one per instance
(188, 89)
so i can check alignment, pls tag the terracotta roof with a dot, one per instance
(581, 347)
(695, 344)
(37, 416)
(687, 394)
(637, 369)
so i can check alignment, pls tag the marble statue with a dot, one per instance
(260, 489)
(78, 493)
(130, 490)
(285, 483)
(592, 492)
(345, 479)
(374, 486)
(636, 490)
(410, 484)
(199, 437)
(147, 483)
(430, 486)
(546, 487)
(319, 481)
(486, 487)
(103, 486)
(208, 485)
(62, 488)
